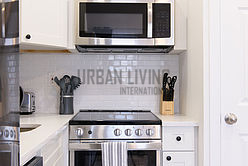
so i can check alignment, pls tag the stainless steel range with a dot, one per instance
(89, 129)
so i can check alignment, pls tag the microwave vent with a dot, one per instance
(98, 49)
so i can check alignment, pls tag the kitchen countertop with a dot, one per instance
(177, 120)
(32, 141)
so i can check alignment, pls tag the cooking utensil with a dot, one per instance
(171, 81)
(75, 82)
(164, 85)
(57, 81)
(67, 79)
(68, 89)
(165, 80)
(67, 83)
(62, 85)
(168, 87)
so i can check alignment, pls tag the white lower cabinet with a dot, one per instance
(178, 158)
(179, 146)
(55, 151)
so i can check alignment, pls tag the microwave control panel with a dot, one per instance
(161, 20)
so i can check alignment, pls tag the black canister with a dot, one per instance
(66, 105)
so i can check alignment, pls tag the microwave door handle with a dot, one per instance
(149, 20)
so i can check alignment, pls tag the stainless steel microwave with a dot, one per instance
(128, 23)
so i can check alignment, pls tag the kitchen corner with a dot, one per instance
(31, 142)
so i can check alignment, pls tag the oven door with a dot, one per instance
(113, 23)
(9, 153)
(140, 153)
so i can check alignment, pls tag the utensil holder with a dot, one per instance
(66, 105)
(166, 107)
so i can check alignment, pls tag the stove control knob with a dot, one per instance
(117, 132)
(149, 132)
(11, 133)
(128, 132)
(79, 132)
(6, 133)
(138, 132)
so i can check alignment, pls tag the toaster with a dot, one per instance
(28, 103)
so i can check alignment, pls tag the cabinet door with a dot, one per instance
(55, 151)
(178, 139)
(178, 158)
(43, 23)
(180, 25)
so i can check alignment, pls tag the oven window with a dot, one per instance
(5, 158)
(113, 20)
(88, 158)
(135, 158)
(142, 158)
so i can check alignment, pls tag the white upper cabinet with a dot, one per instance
(180, 26)
(43, 24)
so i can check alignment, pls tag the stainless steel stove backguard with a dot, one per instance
(115, 132)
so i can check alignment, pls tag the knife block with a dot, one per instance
(166, 107)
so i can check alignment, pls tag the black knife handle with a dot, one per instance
(165, 79)
(174, 79)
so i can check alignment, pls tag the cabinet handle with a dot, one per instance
(168, 158)
(178, 138)
(28, 36)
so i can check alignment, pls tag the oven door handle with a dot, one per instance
(133, 145)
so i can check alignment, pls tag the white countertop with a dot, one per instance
(32, 141)
(177, 120)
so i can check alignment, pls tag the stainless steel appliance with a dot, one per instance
(9, 82)
(124, 24)
(141, 130)
(9, 145)
(28, 103)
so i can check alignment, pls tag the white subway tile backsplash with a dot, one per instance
(120, 69)
(132, 57)
(126, 63)
(120, 57)
(116, 63)
(111, 57)
(36, 71)
(135, 63)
